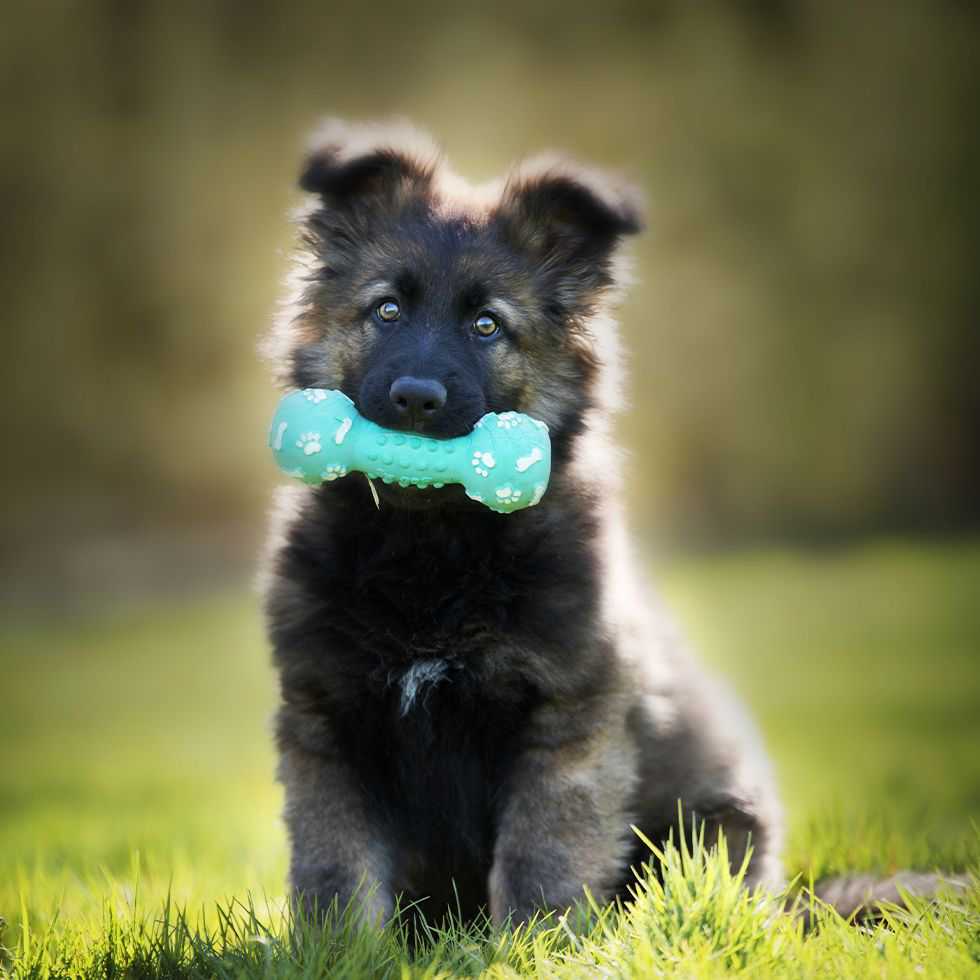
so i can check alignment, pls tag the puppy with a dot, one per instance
(475, 707)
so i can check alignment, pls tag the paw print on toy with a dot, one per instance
(508, 495)
(508, 420)
(334, 472)
(314, 395)
(483, 462)
(309, 442)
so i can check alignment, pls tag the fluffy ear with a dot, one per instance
(367, 161)
(568, 214)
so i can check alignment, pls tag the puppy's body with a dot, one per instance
(476, 706)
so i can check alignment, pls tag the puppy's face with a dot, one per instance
(426, 321)
(430, 303)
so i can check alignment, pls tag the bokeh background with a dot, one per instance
(803, 346)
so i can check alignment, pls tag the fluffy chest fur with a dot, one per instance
(372, 594)
(431, 772)
(423, 642)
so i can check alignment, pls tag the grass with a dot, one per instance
(139, 830)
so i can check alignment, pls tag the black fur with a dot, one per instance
(387, 588)
(467, 713)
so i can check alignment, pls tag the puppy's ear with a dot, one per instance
(571, 218)
(368, 162)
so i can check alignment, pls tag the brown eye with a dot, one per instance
(485, 325)
(389, 310)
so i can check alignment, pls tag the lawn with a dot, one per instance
(139, 829)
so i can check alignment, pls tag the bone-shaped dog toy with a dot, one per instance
(504, 463)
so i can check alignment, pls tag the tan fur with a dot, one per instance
(566, 821)
(328, 828)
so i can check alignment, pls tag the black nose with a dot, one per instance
(417, 399)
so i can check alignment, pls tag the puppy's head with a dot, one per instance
(429, 302)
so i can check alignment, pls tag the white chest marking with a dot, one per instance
(421, 675)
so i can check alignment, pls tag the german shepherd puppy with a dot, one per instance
(477, 706)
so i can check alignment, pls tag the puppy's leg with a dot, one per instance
(336, 853)
(564, 822)
(743, 829)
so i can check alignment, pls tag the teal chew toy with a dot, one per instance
(504, 463)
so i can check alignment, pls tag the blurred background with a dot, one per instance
(803, 349)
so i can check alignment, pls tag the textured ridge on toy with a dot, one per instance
(504, 462)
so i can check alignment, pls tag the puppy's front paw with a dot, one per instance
(324, 904)
(521, 889)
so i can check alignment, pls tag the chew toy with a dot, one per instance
(504, 463)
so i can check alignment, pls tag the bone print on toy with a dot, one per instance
(341, 433)
(525, 462)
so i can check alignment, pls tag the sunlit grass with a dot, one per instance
(136, 769)
(692, 917)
